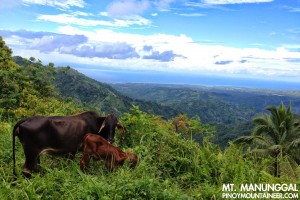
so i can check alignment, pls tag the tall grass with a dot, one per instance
(169, 167)
(60, 178)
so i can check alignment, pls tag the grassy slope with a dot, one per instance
(169, 167)
(62, 179)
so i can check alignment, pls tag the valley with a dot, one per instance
(229, 109)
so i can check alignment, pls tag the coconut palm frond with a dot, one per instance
(276, 135)
(288, 167)
(292, 161)
(297, 123)
(261, 152)
(252, 140)
(275, 148)
(297, 126)
(264, 132)
(283, 133)
(260, 130)
(262, 142)
(244, 140)
(261, 120)
(294, 144)
(274, 114)
(295, 154)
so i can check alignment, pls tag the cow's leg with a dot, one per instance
(37, 163)
(31, 161)
(71, 155)
(84, 162)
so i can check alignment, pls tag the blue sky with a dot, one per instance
(233, 38)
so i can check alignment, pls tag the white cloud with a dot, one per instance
(72, 19)
(9, 3)
(132, 20)
(121, 8)
(57, 3)
(161, 52)
(291, 9)
(163, 5)
(103, 14)
(191, 14)
(79, 13)
(197, 57)
(295, 30)
(220, 2)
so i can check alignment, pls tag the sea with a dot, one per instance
(123, 76)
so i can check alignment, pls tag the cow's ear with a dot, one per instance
(120, 127)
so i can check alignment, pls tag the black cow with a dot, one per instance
(59, 135)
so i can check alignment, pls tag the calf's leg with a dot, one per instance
(84, 162)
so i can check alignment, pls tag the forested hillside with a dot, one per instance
(101, 97)
(28, 90)
(230, 110)
(70, 84)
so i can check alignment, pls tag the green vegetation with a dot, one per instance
(170, 167)
(278, 136)
(172, 164)
(28, 90)
(230, 110)
(99, 96)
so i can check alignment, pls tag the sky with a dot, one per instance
(255, 39)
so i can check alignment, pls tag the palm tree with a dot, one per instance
(276, 135)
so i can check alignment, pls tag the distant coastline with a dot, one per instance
(112, 76)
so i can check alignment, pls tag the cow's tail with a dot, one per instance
(14, 153)
(15, 133)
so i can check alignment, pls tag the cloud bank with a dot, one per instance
(66, 4)
(223, 2)
(168, 53)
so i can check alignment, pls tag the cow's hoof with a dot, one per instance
(26, 175)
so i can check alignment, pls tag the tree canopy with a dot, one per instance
(28, 90)
(276, 135)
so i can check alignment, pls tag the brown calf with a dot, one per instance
(98, 148)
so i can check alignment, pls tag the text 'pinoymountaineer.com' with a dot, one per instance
(259, 191)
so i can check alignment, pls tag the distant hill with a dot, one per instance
(91, 94)
(100, 96)
(230, 110)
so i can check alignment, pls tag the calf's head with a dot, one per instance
(108, 127)
(133, 159)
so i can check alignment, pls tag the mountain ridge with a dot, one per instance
(90, 93)
(229, 110)
(101, 96)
